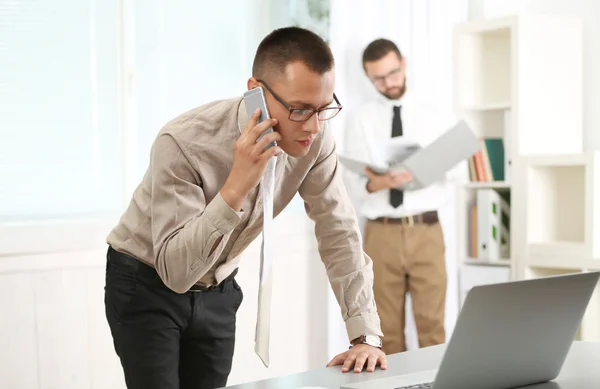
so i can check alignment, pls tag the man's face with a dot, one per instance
(388, 75)
(299, 88)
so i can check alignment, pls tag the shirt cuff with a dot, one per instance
(222, 216)
(367, 324)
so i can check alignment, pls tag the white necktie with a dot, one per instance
(263, 319)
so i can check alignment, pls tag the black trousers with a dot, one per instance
(164, 339)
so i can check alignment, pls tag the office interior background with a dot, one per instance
(86, 85)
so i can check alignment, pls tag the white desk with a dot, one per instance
(580, 371)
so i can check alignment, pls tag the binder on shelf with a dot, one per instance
(474, 241)
(492, 225)
(508, 152)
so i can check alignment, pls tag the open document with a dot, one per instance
(426, 164)
(384, 156)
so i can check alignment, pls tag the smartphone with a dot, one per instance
(254, 99)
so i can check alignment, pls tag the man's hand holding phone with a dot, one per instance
(249, 160)
(388, 180)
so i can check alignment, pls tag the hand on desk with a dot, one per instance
(357, 356)
(379, 182)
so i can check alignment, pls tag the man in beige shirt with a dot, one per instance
(171, 294)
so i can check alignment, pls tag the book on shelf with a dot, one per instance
(488, 164)
(493, 162)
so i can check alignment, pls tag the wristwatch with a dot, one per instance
(371, 340)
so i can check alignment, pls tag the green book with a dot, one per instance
(495, 149)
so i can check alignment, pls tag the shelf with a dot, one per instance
(488, 120)
(487, 262)
(561, 217)
(496, 26)
(471, 276)
(533, 272)
(499, 106)
(560, 263)
(486, 66)
(498, 185)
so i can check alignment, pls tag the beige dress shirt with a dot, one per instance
(177, 213)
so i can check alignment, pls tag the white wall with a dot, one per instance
(52, 328)
(589, 12)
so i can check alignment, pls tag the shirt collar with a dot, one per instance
(403, 101)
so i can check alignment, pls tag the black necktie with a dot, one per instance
(396, 196)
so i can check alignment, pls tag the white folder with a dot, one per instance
(492, 233)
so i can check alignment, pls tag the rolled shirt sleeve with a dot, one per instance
(349, 269)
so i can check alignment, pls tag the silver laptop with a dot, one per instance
(507, 335)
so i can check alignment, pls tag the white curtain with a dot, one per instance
(423, 31)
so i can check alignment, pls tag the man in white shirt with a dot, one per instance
(403, 235)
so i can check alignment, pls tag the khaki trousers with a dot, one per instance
(408, 259)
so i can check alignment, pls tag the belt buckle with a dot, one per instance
(198, 288)
(410, 220)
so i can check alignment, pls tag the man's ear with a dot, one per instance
(252, 83)
(404, 63)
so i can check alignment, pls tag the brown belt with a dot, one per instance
(143, 269)
(430, 217)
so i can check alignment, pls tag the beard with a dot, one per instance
(396, 92)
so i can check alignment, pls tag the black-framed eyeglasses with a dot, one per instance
(303, 114)
(380, 80)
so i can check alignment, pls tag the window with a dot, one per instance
(85, 87)
(60, 150)
(183, 57)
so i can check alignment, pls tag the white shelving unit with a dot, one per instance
(507, 76)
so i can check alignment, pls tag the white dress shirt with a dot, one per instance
(371, 124)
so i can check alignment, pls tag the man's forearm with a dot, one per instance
(350, 272)
(188, 254)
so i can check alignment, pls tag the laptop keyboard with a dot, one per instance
(427, 385)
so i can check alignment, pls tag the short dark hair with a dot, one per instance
(290, 44)
(378, 49)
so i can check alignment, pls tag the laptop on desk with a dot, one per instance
(507, 335)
